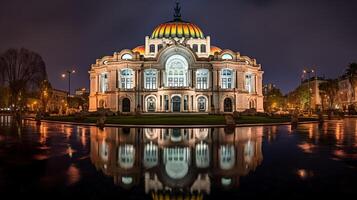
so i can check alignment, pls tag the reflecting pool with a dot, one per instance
(178, 163)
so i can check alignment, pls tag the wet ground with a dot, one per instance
(138, 163)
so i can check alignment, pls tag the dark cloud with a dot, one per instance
(284, 35)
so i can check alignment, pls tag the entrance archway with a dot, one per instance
(151, 104)
(201, 104)
(176, 104)
(228, 105)
(126, 105)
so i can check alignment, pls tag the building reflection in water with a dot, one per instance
(176, 162)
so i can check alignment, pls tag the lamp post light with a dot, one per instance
(69, 72)
(308, 72)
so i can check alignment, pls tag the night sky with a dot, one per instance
(283, 35)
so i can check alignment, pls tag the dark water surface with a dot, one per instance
(57, 161)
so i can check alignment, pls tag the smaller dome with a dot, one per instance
(139, 49)
(215, 49)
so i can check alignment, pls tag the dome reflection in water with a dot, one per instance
(174, 163)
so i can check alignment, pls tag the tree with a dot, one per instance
(274, 99)
(45, 94)
(21, 70)
(4, 97)
(330, 89)
(299, 98)
(351, 74)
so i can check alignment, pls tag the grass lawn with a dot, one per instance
(177, 120)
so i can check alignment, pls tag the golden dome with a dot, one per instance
(139, 49)
(177, 28)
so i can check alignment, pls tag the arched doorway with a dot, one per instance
(251, 104)
(228, 105)
(201, 104)
(151, 104)
(125, 105)
(101, 103)
(176, 104)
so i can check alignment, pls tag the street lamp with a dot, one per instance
(68, 73)
(308, 72)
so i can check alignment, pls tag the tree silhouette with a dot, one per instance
(330, 89)
(351, 74)
(22, 71)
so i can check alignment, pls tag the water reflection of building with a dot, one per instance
(176, 162)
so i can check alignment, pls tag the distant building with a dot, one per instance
(58, 101)
(346, 95)
(81, 92)
(267, 88)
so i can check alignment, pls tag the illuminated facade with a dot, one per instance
(177, 70)
(176, 162)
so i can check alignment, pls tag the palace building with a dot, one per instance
(176, 70)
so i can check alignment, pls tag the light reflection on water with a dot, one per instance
(176, 161)
(159, 163)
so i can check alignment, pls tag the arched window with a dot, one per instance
(151, 104)
(227, 56)
(176, 71)
(126, 105)
(152, 48)
(250, 83)
(226, 78)
(203, 48)
(201, 104)
(127, 57)
(202, 79)
(103, 82)
(150, 78)
(228, 105)
(195, 48)
(127, 78)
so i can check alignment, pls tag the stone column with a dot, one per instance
(241, 80)
(169, 103)
(214, 79)
(189, 78)
(158, 79)
(163, 78)
(112, 78)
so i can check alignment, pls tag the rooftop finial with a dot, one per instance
(177, 15)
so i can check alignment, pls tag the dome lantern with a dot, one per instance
(177, 28)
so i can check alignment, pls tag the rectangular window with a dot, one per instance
(166, 102)
(185, 103)
(152, 48)
(203, 48)
(103, 82)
